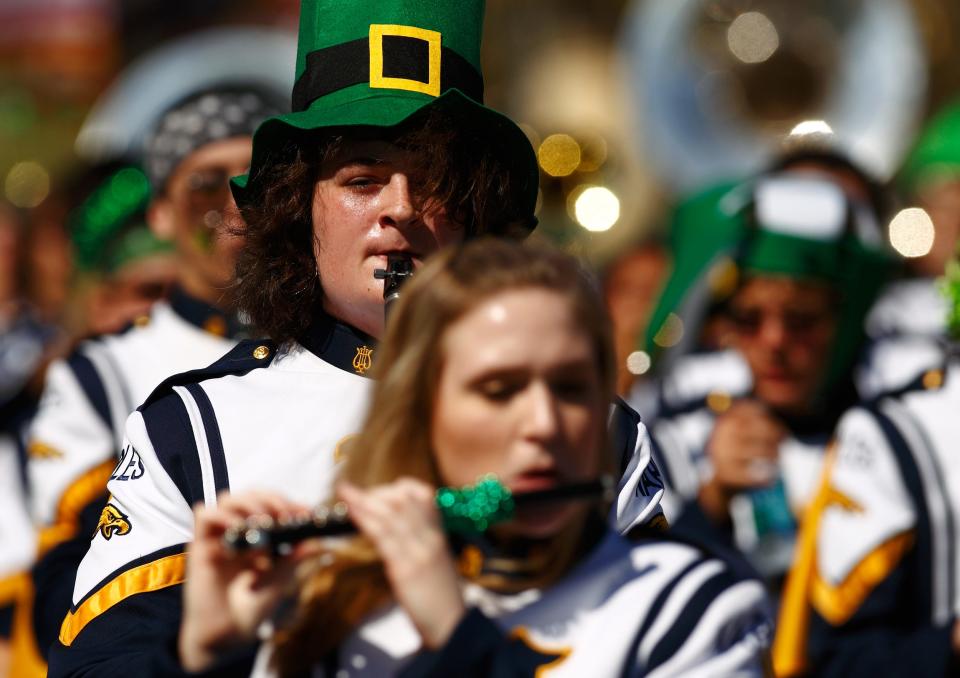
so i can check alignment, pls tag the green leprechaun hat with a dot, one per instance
(377, 64)
(936, 154)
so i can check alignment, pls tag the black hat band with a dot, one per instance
(408, 59)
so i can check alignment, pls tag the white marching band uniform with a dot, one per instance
(264, 418)
(16, 529)
(876, 586)
(75, 439)
(88, 397)
(649, 608)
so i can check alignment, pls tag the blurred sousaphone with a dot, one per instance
(717, 84)
(124, 114)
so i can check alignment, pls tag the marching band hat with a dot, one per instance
(377, 64)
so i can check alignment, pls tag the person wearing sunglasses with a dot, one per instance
(76, 440)
(782, 281)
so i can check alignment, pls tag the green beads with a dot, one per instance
(474, 508)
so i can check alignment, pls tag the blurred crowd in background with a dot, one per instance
(707, 158)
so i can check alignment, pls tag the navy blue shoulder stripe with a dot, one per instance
(92, 385)
(623, 431)
(214, 442)
(143, 560)
(691, 615)
(239, 360)
(171, 434)
(652, 614)
(923, 546)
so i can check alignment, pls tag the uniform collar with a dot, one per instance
(206, 317)
(340, 344)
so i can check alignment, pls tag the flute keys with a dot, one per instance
(264, 522)
(320, 516)
(254, 537)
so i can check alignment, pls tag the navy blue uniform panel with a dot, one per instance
(54, 576)
(890, 652)
(891, 633)
(136, 637)
(623, 432)
(168, 426)
(218, 461)
(6, 620)
(653, 612)
(89, 380)
(479, 649)
(656, 453)
(690, 617)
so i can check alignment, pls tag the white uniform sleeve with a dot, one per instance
(866, 509)
(69, 442)
(146, 514)
(640, 489)
(17, 537)
(127, 585)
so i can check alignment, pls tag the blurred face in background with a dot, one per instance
(130, 291)
(785, 330)
(941, 200)
(630, 288)
(196, 211)
(9, 258)
(49, 260)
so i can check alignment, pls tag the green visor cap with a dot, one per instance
(378, 64)
(108, 229)
(936, 155)
(786, 226)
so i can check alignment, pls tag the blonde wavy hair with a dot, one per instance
(336, 592)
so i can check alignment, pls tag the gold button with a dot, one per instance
(719, 402)
(932, 379)
(141, 320)
(261, 352)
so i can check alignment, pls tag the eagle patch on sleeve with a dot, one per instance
(113, 521)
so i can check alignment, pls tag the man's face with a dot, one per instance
(942, 202)
(785, 329)
(196, 212)
(365, 207)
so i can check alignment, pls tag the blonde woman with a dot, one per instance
(497, 360)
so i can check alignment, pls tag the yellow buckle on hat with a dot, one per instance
(377, 79)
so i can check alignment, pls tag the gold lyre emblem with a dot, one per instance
(363, 360)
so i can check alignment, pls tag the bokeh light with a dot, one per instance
(638, 363)
(27, 184)
(596, 208)
(912, 232)
(811, 127)
(670, 332)
(753, 38)
(593, 153)
(559, 155)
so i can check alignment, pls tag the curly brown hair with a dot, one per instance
(457, 166)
